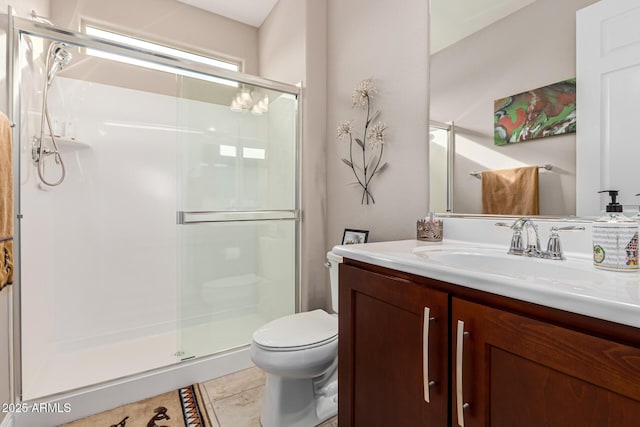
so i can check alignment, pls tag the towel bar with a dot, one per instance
(479, 174)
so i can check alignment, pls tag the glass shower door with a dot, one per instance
(237, 213)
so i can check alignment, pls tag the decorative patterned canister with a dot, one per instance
(615, 239)
(429, 229)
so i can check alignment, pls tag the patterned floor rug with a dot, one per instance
(179, 408)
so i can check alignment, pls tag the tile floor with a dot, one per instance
(234, 400)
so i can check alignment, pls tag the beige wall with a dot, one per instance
(168, 22)
(379, 39)
(514, 55)
(282, 42)
(293, 47)
(155, 20)
(23, 8)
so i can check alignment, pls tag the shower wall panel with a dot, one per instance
(99, 251)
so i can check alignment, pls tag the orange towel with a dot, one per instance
(510, 191)
(6, 204)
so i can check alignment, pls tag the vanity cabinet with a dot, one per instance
(392, 363)
(495, 361)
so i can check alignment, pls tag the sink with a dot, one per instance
(524, 268)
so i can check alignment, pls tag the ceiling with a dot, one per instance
(451, 20)
(252, 12)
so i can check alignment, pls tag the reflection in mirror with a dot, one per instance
(441, 151)
(517, 46)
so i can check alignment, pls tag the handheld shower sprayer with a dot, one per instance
(57, 58)
(61, 57)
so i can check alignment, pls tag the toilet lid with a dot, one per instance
(297, 330)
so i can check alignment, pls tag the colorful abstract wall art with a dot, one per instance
(546, 111)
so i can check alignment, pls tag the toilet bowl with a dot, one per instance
(299, 354)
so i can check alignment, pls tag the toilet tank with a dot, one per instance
(333, 262)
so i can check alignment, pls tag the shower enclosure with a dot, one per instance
(173, 232)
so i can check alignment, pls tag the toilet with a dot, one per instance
(299, 354)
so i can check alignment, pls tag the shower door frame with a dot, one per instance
(16, 28)
(451, 155)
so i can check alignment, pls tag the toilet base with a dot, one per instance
(299, 402)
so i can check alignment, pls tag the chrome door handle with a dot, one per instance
(425, 354)
(460, 405)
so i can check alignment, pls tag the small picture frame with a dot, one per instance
(352, 237)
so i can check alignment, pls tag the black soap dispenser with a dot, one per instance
(615, 238)
(613, 205)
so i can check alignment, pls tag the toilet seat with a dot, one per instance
(300, 331)
(298, 348)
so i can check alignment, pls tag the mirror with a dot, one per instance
(486, 50)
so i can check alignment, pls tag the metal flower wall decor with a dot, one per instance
(366, 162)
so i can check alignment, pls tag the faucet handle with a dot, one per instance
(517, 244)
(518, 224)
(554, 248)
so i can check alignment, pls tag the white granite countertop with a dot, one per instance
(574, 285)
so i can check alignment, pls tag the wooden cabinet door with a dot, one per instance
(520, 372)
(384, 360)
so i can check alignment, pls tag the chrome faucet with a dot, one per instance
(532, 248)
(518, 247)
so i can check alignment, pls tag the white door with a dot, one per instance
(608, 104)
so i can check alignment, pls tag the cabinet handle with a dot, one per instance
(425, 354)
(460, 405)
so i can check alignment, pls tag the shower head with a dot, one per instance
(61, 57)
